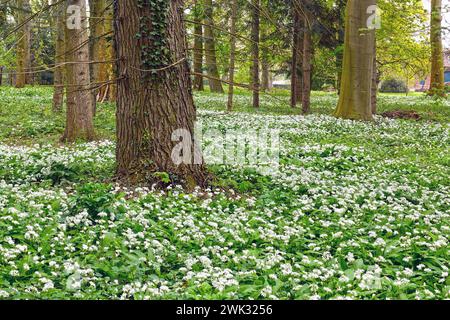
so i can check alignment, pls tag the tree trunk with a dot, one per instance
(215, 84)
(297, 56)
(356, 83)
(232, 55)
(3, 26)
(437, 54)
(58, 92)
(340, 41)
(153, 105)
(255, 7)
(198, 48)
(29, 77)
(265, 76)
(23, 45)
(79, 118)
(374, 91)
(102, 49)
(307, 56)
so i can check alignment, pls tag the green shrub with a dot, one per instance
(94, 198)
(393, 86)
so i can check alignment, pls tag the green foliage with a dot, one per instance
(164, 177)
(94, 198)
(401, 50)
(153, 34)
(393, 86)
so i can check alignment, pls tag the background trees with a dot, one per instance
(280, 39)
(23, 43)
(59, 23)
(79, 113)
(210, 48)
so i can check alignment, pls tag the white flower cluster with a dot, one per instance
(355, 211)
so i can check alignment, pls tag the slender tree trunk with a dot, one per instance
(374, 91)
(297, 56)
(232, 54)
(437, 54)
(198, 47)
(255, 7)
(340, 40)
(307, 56)
(152, 106)
(23, 45)
(2, 25)
(357, 70)
(95, 30)
(58, 92)
(79, 118)
(212, 69)
(29, 77)
(265, 72)
(101, 48)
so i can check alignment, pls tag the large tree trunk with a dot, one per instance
(215, 84)
(437, 55)
(297, 56)
(60, 25)
(79, 118)
(102, 49)
(232, 55)
(23, 44)
(198, 47)
(153, 105)
(356, 84)
(255, 7)
(307, 56)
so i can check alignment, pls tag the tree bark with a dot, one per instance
(215, 84)
(102, 49)
(58, 92)
(151, 106)
(232, 55)
(255, 37)
(23, 45)
(29, 77)
(340, 41)
(198, 48)
(357, 70)
(437, 54)
(297, 56)
(3, 26)
(307, 56)
(79, 118)
(265, 72)
(374, 91)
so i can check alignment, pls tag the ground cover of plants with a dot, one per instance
(354, 211)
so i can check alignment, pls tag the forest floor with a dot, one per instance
(354, 211)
